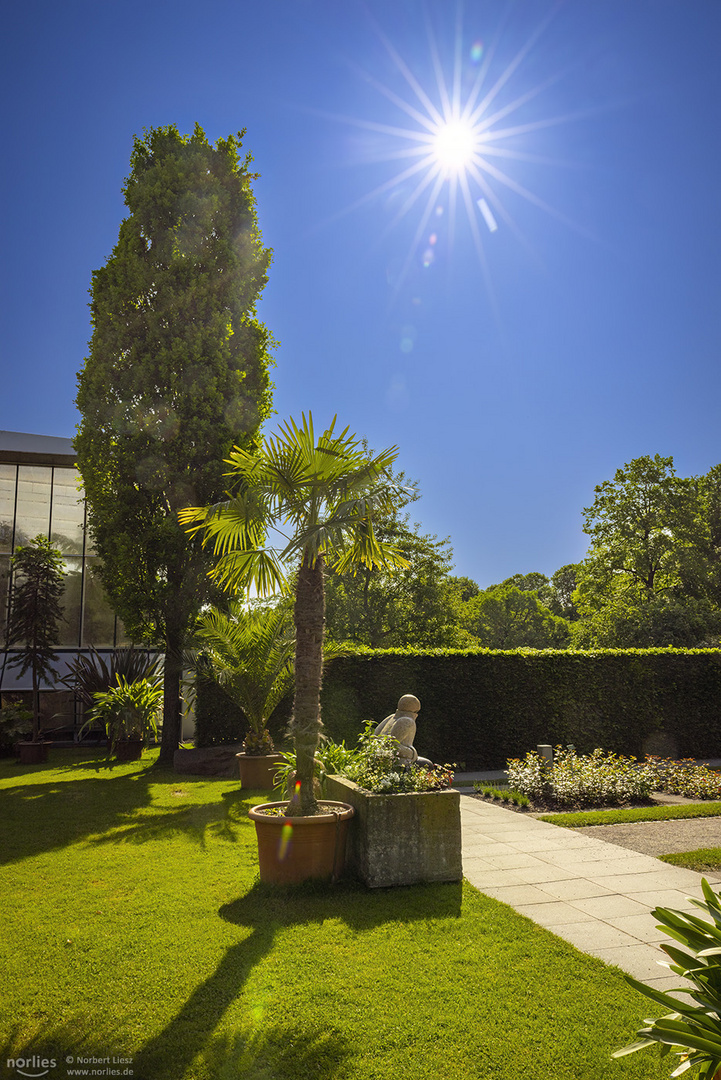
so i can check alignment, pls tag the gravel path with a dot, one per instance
(660, 837)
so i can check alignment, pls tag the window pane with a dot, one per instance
(99, 620)
(4, 581)
(68, 510)
(69, 628)
(33, 515)
(7, 505)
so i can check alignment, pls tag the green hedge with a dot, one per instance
(480, 708)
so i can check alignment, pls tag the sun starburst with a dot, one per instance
(454, 143)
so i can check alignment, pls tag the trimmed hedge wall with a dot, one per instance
(480, 708)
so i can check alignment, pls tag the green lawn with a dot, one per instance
(704, 860)
(134, 926)
(618, 816)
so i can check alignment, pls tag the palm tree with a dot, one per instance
(319, 499)
(250, 652)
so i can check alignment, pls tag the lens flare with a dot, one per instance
(286, 835)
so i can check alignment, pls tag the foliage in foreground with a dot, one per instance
(241, 980)
(691, 1031)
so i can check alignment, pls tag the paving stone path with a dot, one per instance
(595, 894)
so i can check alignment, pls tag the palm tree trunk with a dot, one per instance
(172, 673)
(306, 723)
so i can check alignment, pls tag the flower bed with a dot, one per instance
(602, 779)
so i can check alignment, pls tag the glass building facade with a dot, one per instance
(41, 494)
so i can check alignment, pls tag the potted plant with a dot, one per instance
(92, 673)
(16, 724)
(250, 653)
(129, 712)
(35, 612)
(320, 496)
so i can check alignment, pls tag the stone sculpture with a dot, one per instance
(401, 726)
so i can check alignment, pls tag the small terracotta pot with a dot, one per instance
(295, 849)
(129, 750)
(32, 753)
(258, 770)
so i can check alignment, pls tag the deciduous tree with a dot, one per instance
(176, 374)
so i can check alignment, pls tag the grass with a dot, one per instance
(704, 860)
(134, 926)
(619, 816)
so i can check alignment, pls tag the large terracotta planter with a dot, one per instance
(32, 753)
(129, 750)
(258, 770)
(291, 850)
(402, 839)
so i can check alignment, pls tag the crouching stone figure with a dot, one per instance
(401, 726)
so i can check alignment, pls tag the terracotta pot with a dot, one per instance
(258, 770)
(291, 850)
(129, 750)
(32, 753)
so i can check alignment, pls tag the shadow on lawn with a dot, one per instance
(278, 1050)
(40, 817)
(266, 910)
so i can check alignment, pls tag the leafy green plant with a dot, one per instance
(128, 710)
(92, 673)
(35, 612)
(378, 768)
(16, 722)
(250, 652)
(331, 758)
(691, 1031)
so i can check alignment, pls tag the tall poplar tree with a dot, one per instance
(177, 374)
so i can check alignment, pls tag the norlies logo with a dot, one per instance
(33, 1067)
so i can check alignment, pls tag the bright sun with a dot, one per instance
(453, 145)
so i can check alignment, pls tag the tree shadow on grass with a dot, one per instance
(264, 911)
(277, 1052)
(41, 817)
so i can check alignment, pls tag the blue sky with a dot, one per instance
(517, 352)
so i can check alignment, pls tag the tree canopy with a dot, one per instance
(177, 373)
(651, 575)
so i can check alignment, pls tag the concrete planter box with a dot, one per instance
(401, 839)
